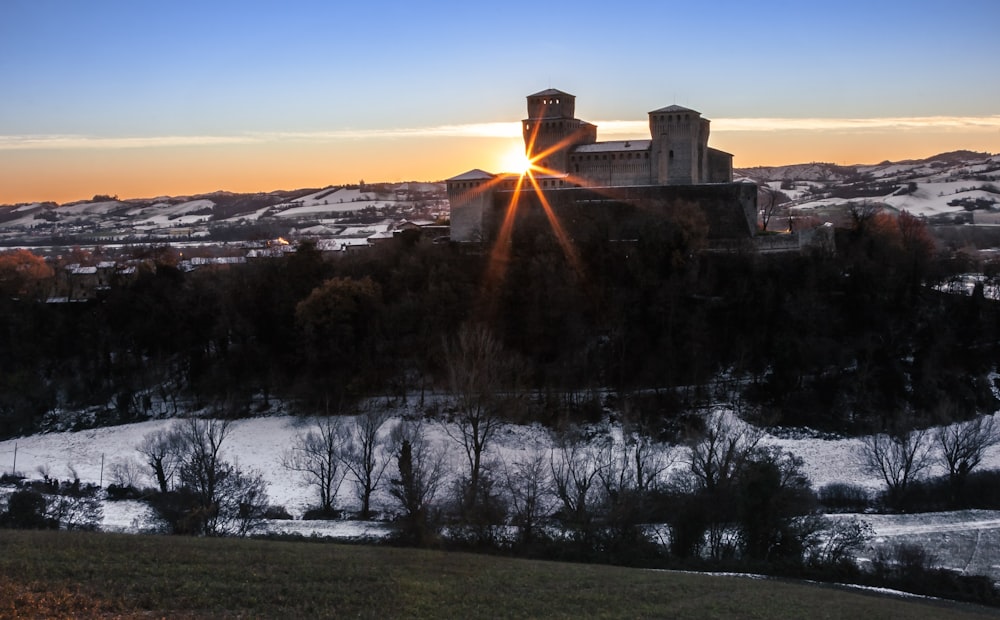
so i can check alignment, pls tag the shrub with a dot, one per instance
(11, 479)
(277, 513)
(117, 493)
(321, 514)
(26, 509)
(75, 512)
(982, 490)
(178, 511)
(838, 497)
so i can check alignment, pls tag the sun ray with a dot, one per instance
(499, 255)
(499, 258)
(561, 237)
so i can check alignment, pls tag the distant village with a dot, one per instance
(94, 245)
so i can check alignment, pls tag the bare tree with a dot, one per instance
(722, 450)
(161, 450)
(127, 473)
(899, 458)
(963, 445)
(768, 203)
(201, 444)
(838, 541)
(420, 471)
(576, 471)
(74, 511)
(317, 455)
(242, 501)
(645, 459)
(365, 456)
(629, 470)
(527, 482)
(215, 497)
(480, 375)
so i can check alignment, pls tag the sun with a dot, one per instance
(515, 160)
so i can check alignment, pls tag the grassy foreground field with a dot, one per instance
(77, 575)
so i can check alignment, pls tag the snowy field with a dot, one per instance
(932, 185)
(967, 541)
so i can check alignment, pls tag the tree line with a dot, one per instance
(832, 341)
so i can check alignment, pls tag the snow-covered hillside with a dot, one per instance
(952, 187)
(105, 220)
(967, 541)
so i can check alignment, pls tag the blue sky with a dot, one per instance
(236, 85)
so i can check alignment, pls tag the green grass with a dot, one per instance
(110, 575)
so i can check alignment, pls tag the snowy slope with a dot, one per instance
(964, 540)
(166, 214)
(946, 184)
(260, 442)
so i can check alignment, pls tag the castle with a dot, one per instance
(676, 163)
(676, 154)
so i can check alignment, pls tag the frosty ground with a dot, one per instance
(967, 541)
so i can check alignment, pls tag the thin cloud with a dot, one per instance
(504, 130)
(71, 141)
(472, 130)
(818, 124)
(856, 124)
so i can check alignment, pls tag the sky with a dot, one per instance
(142, 99)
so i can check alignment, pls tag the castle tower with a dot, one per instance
(551, 129)
(680, 145)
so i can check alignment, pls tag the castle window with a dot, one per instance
(671, 153)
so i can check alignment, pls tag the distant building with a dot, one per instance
(675, 164)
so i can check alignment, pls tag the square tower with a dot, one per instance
(551, 130)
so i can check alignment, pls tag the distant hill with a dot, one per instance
(956, 187)
(221, 215)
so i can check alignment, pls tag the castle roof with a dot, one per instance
(548, 92)
(613, 145)
(670, 109)
(473, 175)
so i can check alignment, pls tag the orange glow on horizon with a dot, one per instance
(69, 174)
